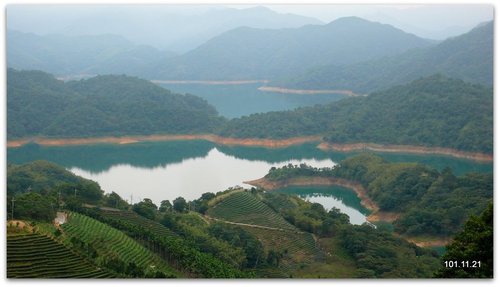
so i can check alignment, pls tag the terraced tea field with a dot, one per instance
(243, 207)
(133, 218)
(110, 242)
(38, 256)
(299, 247)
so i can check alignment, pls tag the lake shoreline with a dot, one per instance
(475, 156)
(375, 216)
(360, 191)
(252, 142)
(305, 92)
(256, 142)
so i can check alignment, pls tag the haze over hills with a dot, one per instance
(242, 53)
(177, 28)
(468, 57)
(150, 185)
(249, 53)
(74, 55)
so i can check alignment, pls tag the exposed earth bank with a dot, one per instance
(306, 92)
(361, 192)
(269, 143)
(257, 142)
(476, 156)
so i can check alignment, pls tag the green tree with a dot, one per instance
(146, 208)
(34, 206)
(165, 205)
(114, 200)
(473, 243)
(180, 204)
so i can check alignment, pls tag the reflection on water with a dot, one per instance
(332, 196)
(188, 178)
(166, 170)
(101, 157)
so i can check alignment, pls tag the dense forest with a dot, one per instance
(435, 111)
(468, 57)
(428, 201)
(38, 104)
(432, 111)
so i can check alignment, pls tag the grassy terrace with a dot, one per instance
(38, 256)
(135, 219)
(110, 242)
(243, 207)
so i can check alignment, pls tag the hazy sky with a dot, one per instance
(430, 21)
(433, 21)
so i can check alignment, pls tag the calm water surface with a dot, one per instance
(166, 170)
(240, 100)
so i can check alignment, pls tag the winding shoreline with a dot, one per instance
(210, 82)
(360, 191)
(253, 142)
(476, 156)
(316, 180)
(256, 142)
(306, 92)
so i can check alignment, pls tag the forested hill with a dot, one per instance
(249, 53)
(435, 111)
(38, 104)
(468, 57)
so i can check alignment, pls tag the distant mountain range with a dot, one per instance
(242, 53)
(178, 28)
(347, 54)
(468, 57)
(73, 55)
(249, 53)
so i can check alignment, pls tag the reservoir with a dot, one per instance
(232, 101)
(167, 170)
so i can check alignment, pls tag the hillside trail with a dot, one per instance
(254, 225)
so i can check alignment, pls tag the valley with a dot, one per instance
(203, 141)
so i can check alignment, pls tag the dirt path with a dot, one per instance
(306, 92)
(435, 242)
(376, 214)
(253, 225)
(19, 224)
(476, 156)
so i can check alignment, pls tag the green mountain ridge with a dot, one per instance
(468, 57)
(249, 53)
(435, 111)
(38, 104)
(79, 55)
